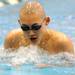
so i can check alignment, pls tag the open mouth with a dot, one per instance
(33, 39)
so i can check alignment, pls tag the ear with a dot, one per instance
(19, 21)
(46, 20)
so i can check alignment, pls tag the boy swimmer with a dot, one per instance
(33, 22)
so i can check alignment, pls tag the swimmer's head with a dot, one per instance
(33, 20)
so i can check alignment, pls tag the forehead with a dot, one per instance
(30, 20)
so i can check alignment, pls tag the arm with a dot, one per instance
(67, 46)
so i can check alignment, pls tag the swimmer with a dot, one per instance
(33, 30)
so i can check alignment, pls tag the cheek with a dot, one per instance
(26, 34)
(39, 33)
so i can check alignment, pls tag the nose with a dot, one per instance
(31, 33)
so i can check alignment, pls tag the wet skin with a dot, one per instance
(51, 41)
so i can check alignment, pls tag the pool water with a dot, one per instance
(62, 19)
(32, 70)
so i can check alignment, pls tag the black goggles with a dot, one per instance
(25, 27)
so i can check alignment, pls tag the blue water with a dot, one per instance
(62, 19)
(32, 70)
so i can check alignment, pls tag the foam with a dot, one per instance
(34, 55)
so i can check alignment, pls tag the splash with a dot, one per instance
(34, 55)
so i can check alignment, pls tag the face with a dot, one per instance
(33, 28)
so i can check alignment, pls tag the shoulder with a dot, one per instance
(14, 33)
(12, 38)
(57, 35)
(61, 40)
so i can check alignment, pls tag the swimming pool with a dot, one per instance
(63, 19)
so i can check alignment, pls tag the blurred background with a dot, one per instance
(62, 13)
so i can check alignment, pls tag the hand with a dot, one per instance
(42, 65)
